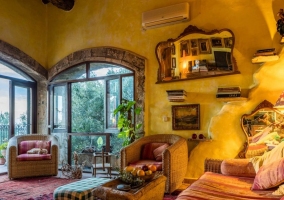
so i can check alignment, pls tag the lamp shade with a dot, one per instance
(280, 102)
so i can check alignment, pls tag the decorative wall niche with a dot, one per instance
(196, 54)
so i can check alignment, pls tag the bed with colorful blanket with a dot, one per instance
(260, 177)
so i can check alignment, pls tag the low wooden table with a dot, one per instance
(154, 189)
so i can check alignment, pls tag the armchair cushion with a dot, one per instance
(25, 146)
(269, 175)
(33, 157)
(158, 151)
(147, 152)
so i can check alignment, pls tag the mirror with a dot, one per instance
(263, 120)
(196, 54)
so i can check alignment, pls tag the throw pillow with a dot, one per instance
(279, 191)
(37, 151)
(237, 167)
(158, 151)
(268, 157)
(269, 175)
(147, 152)
(33, 151)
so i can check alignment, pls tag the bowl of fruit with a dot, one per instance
(132, 174)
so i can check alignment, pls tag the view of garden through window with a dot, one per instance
(95, 92)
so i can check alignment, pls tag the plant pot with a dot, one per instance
(3, 152)
(2, 161)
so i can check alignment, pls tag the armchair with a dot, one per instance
(21, 163)
(174, 157)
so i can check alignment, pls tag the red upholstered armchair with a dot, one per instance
(32, 155)
(167, 151)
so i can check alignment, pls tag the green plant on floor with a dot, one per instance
(1, 156)
(125, 123)
(3, 146)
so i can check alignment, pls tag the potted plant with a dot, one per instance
(3, 148)
(125, 122)
(2, 159)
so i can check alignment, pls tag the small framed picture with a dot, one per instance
(186, 117)
(204, 46)
(173, 62)
(173, 49)
(184, 48)
(193, 43)
(217, 42)
(194, 51)
(228, 42)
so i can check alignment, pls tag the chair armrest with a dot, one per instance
(238, 167)
(175, 161)
(130, 153)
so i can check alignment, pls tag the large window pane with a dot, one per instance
(8, 70)
(104, 69)
(87, 104)
(128, 88)
(22, 110)
(4, 109)
(78, 72)
(59, 112)
(112, 93)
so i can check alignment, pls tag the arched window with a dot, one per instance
(84, 89)
(17, 102)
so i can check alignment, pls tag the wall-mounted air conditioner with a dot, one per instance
(165, 16)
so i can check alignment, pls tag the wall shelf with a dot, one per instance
(232, 99)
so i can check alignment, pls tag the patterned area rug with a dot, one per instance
(37, 188)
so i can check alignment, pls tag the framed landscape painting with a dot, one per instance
(186, 117)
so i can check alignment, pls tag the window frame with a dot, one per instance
(29, 84)
(68, 102)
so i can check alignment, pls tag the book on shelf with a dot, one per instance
(261, 59)
(176, 100)
(176, 93)
(270, 53)
(176, 97)
(265, 50)
(228, 95)
(229, 89)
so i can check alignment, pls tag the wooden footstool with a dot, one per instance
(78, 190)
(154, 189)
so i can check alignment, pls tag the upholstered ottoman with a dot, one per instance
(78, 190)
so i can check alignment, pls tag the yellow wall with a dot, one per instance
(118, 23)
(23, 25)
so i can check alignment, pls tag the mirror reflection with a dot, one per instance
(264, 129)
(196, 54)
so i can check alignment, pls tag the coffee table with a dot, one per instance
(154, 189)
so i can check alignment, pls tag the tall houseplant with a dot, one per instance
(125, 123)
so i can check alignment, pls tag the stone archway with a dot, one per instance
(111, 55)
(24, 62)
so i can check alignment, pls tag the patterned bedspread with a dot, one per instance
(217, 186)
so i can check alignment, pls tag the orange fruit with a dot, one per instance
(140, 172)
(149, 172)
(128, 168)
(134, 172)
(153, 168)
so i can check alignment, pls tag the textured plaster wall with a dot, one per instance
(118, 23)
(23, 25)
